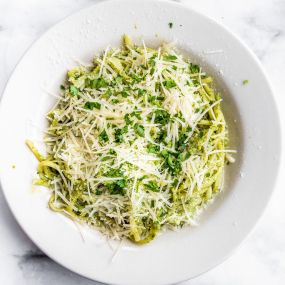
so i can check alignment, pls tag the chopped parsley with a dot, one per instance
(128, 119)
(153, 149)
(161, 117)
(73, 90)
(153, 186)
(125, 94)
(169, 83)
(119, 134)
(103, 137)
(98, 83)
(139, 130)
(92, 105)
(170, 57)
(194, 68)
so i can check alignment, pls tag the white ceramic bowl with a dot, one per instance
(250, 112)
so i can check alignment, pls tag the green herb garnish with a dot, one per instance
(73, 90)
(169, 83)
(92, 105)
(103, 137)
(170, 57)
(139, 130)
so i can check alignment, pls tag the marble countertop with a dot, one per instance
(261, 24)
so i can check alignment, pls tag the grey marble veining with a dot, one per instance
(261, 25)
(33, 263)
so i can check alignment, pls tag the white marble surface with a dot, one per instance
(261, 24)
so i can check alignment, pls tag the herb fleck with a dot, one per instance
(169, 83)
(103, 137)
(139, 130)
(73, 90)
(161, 117)
(194, 68)
(92, 105)
(170, 57)
(152, 185)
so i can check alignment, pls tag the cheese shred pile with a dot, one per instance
(136, 143)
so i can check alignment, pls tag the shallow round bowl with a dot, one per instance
(250, 113)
